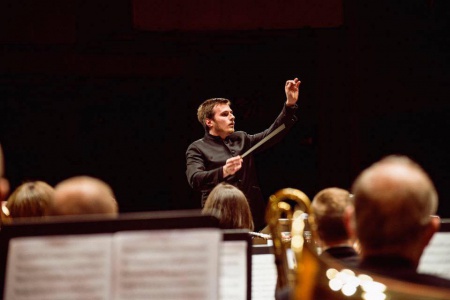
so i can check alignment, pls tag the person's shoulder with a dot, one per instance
(199, 141)
(345, 254)
(195, 144)
(433, 280)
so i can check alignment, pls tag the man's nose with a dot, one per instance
(232, 117)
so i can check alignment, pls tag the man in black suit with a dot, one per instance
(216, 157)
(395, 201)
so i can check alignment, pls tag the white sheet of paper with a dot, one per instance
(264, 276)
(59, 267)
(436, 256)
(154, 264)
(233, 270)
(167, 264)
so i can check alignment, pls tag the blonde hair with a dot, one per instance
(328, 208)
(31, 199)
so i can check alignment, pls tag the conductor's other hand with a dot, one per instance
(291, 89)
(232, 165)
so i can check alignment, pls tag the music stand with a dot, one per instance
(99, 224)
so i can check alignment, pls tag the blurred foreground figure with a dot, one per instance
(395, 201)
(84, 195)
(31, 199)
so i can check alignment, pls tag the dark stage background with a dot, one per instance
(110, 89)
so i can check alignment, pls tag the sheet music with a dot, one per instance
(62, 267)
(264, 276)
(155, 264)
(167, 264)
(233, 270)
(436, 256)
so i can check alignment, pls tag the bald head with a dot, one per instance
(84, 195)
(394, 201)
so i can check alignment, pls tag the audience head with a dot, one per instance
(332, 209)
(230, 205)
(83, 195)
(394, 203)
(30, 199)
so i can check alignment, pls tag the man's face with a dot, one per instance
(222, 124)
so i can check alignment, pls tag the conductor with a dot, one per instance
(217, 157)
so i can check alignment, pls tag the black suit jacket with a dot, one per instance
(206, 157)
(401, 269)
(345, 254)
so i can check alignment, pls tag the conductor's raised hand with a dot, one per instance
(232, 165)
(291, 88)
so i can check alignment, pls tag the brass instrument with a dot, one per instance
(287, 209)
(324, 278)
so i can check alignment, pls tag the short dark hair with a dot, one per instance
(206, 109)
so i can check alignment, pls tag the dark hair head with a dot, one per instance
(230, 205)
(206, 109)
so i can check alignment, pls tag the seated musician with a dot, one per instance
(230, 206)
(30, 199)
(81, 195)
(394, 203)
(332, 210)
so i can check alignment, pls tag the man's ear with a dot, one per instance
(314, 232)
(209, 122)
(431, 229)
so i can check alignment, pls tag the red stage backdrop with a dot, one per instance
(165, 15)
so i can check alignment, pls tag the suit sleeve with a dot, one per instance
(198, 178)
